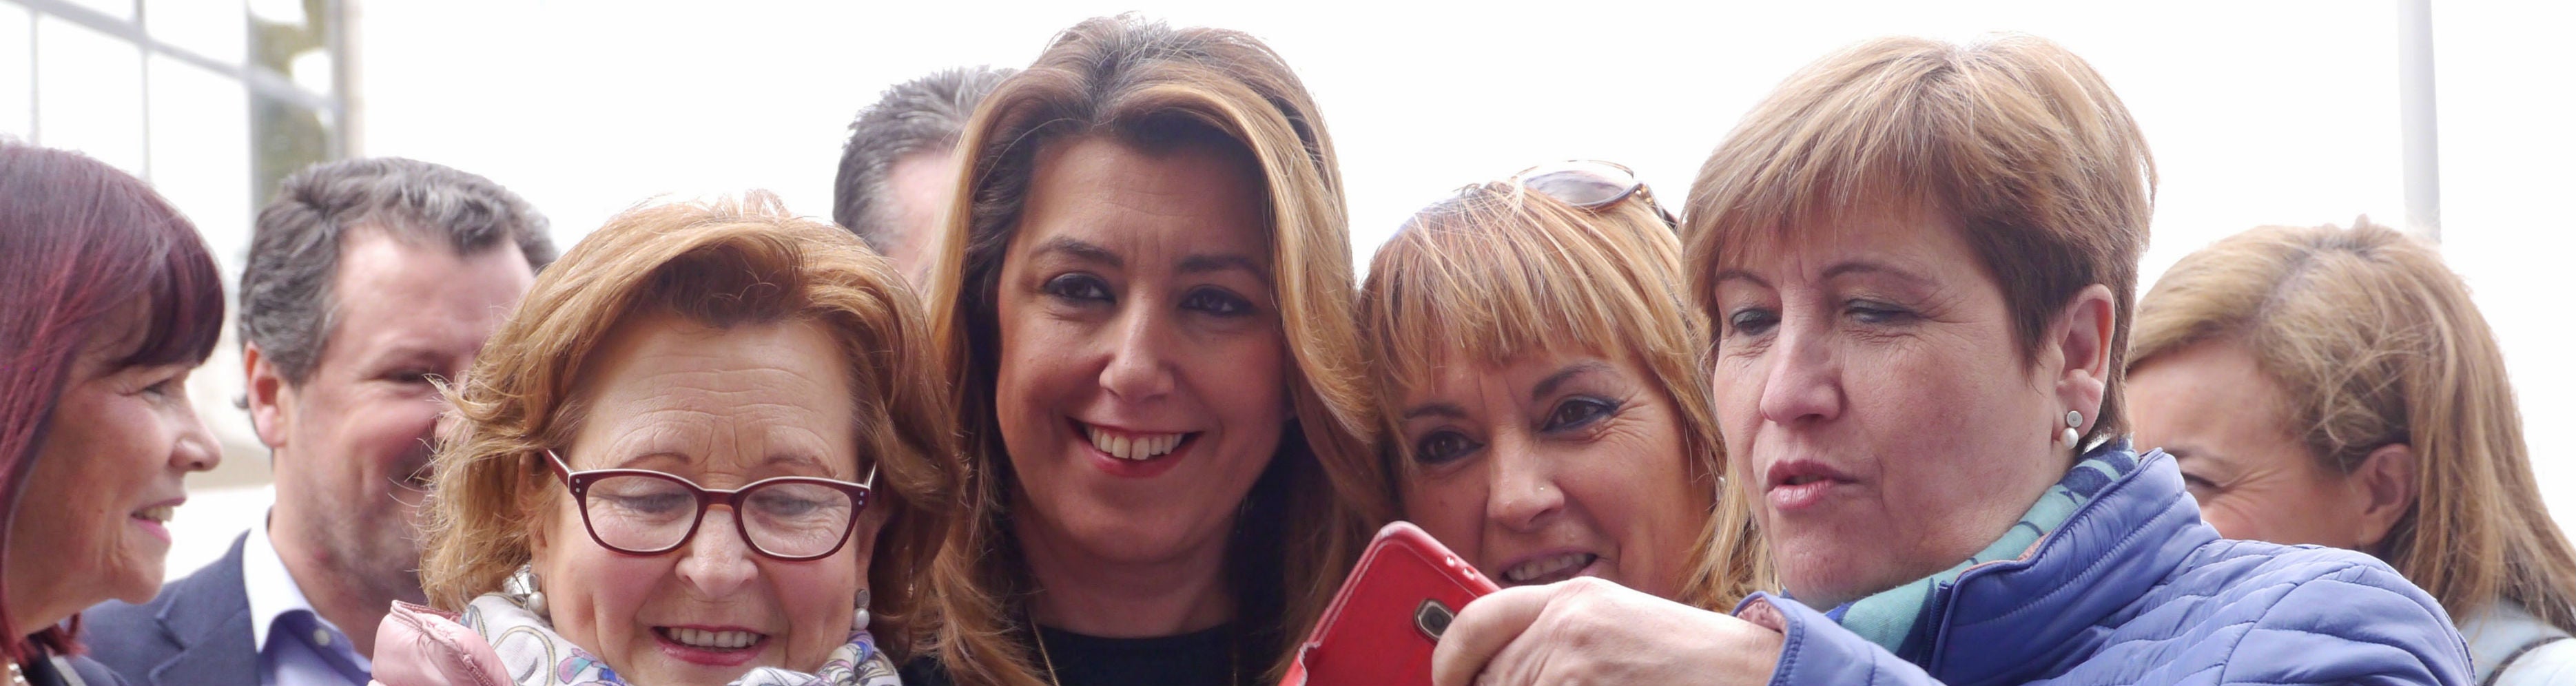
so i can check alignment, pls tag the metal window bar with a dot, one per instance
(259, 79)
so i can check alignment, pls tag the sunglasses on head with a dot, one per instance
(1590, 185)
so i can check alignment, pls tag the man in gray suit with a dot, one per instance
(367, 280)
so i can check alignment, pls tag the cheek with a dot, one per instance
(592, 593)
(1736, 391)
(1243, 377)
(820, 599)
(1450, 507)
(1037, 363)
(1643, 494)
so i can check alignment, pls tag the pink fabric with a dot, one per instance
(420, 646)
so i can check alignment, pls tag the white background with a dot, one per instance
(2257, 112)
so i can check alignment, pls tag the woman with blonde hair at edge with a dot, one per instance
(2338, 387)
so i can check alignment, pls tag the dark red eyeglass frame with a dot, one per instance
(1609, 174)
(579, 483)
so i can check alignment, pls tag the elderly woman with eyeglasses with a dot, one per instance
(709, 448)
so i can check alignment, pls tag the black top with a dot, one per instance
(1199, 658)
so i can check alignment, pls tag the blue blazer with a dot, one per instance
(197, 631)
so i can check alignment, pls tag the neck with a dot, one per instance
(355, 600)
(1085, 593)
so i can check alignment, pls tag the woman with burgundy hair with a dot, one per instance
(108, 298)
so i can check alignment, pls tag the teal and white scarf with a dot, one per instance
(537, 656)
(1889, 617)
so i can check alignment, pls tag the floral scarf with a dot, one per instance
(537, 656)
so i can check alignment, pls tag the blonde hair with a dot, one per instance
(2015, 140)
(1496, 273)
(2375, 342)
(1145, 84)
(720, 264)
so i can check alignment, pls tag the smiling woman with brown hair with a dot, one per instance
(1144, 294)
(108, 299)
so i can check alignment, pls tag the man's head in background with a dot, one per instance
(896, 172)
(368, 280)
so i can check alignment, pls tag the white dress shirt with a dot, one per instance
(297, 647)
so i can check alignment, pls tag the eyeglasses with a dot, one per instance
(1590, 185)
(645, 512)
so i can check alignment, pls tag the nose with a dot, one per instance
(1521, 493)
(717, 561)
(1803, 383)
(1138, 367)
(196, 449)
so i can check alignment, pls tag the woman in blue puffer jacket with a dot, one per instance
(1920, 259)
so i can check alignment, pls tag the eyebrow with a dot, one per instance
(1840, 269)
(1850, 267)
(1443, 410)
(1725, 275)
(1200, 264)
(1081, 250)
(1547, 386)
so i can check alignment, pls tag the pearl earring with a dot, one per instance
(2068, 436)
(525, 586)
(859, 621)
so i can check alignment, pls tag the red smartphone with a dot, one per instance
(1381, 627)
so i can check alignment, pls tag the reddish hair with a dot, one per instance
(78, 241)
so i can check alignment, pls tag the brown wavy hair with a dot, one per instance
(1147, 84)
(720, 264)
(1495, 273)
(2375, 342)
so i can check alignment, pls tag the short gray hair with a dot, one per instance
(295, 245)
(922, 114)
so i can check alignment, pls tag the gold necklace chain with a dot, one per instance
(1040, 635)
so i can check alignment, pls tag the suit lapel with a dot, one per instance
(210, 622)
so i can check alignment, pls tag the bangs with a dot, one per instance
(184, 292)
(1495, 274)
(1871, 137)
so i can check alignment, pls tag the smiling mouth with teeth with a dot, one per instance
(709, 640)
(1547, 570)
(1134, 447)
(157, 514)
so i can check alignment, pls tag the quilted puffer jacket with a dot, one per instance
(2135, 589)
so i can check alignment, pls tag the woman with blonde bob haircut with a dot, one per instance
(1917, 257)
(1144, 293)
(1541, 391)
(708, 447)
(2338, 387)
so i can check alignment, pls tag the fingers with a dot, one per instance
(1482, 629)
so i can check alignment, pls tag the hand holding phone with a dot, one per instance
(1383, 624)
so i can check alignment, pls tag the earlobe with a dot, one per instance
(2386, 481)
(264, 393)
